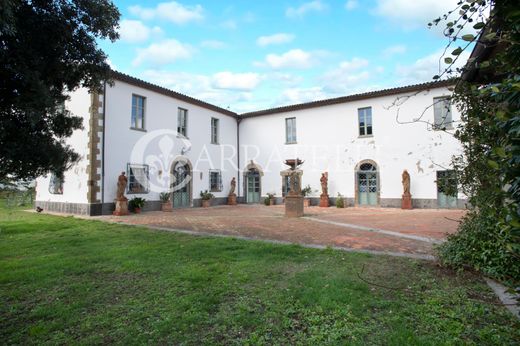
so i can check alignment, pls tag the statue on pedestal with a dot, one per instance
(406, 182)
(122, 181)
(233, 187)
(324, 198)
(406, 201)
(121, 201)
(324, 180)
(232, 197)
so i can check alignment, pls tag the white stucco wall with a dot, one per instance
(122, 142)
(75, 180)
(328, 140)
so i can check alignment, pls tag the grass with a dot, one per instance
(65, 280)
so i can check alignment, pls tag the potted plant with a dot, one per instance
(206, 197)
(306, 193)
(166, 205)
(267, 201)
(340, 202)
(271, 198)
(136, 204)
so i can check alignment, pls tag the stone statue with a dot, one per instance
(233, 186)
(324, 184)
(122, 180)
(406, 182)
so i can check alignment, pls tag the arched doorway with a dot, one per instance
(367, 184)
(252, 182)
(181, 183)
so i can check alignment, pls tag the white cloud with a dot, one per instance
(301, 95)
(213, 44)
(423, 69)
(394, 50)
(202, 87)
(295, 58)
(285, 78)
(162, 53)
(298, 12)
(134, 31)
(279, 38)
(348, 76)
(236, 81)
(351, 4)
(170, 11)
(412, 14)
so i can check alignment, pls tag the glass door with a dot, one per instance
(253, 187)
(181, 195)
(446, 189)
(367, 185)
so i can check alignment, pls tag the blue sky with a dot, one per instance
(250, 55)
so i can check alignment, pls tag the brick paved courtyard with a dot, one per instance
(412, 232)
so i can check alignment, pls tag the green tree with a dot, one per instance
(47, 48)
(488, 96)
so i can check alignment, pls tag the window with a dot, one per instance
(138, 112)
(214, 130)
(442, 113)
(215, 180)
(290, 130)
(447, 182)
(137, 178)
(56, 184)
(365, 121)
(182, 122)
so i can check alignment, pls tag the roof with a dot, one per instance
(350, 98)
(485, 49)
(327, 102)
(167, 92)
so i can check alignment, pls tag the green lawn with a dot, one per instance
(64, 280)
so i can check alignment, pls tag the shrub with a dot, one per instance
(481, 244)
(306, 191)
(206, 195)
(164, 197)
(267, 201)
(136, 202)
(340, 202)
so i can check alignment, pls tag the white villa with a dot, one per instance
(161, 138)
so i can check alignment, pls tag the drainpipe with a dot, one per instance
(238, 155)
(103, 146)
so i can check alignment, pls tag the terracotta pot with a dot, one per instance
(272, 201)
(206, 203)
(166, 207)
(137, 210)
(306, 202)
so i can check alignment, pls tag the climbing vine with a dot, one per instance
(488, 171)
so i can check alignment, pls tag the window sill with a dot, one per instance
(289, 143)
(215, 143)
(137, 193)
(215, 190)
(365, 136)
(137, 129)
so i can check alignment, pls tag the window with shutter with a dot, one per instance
(442, 113)
(137, 178)
(290, 130)
(215, 180)
(365, 121)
